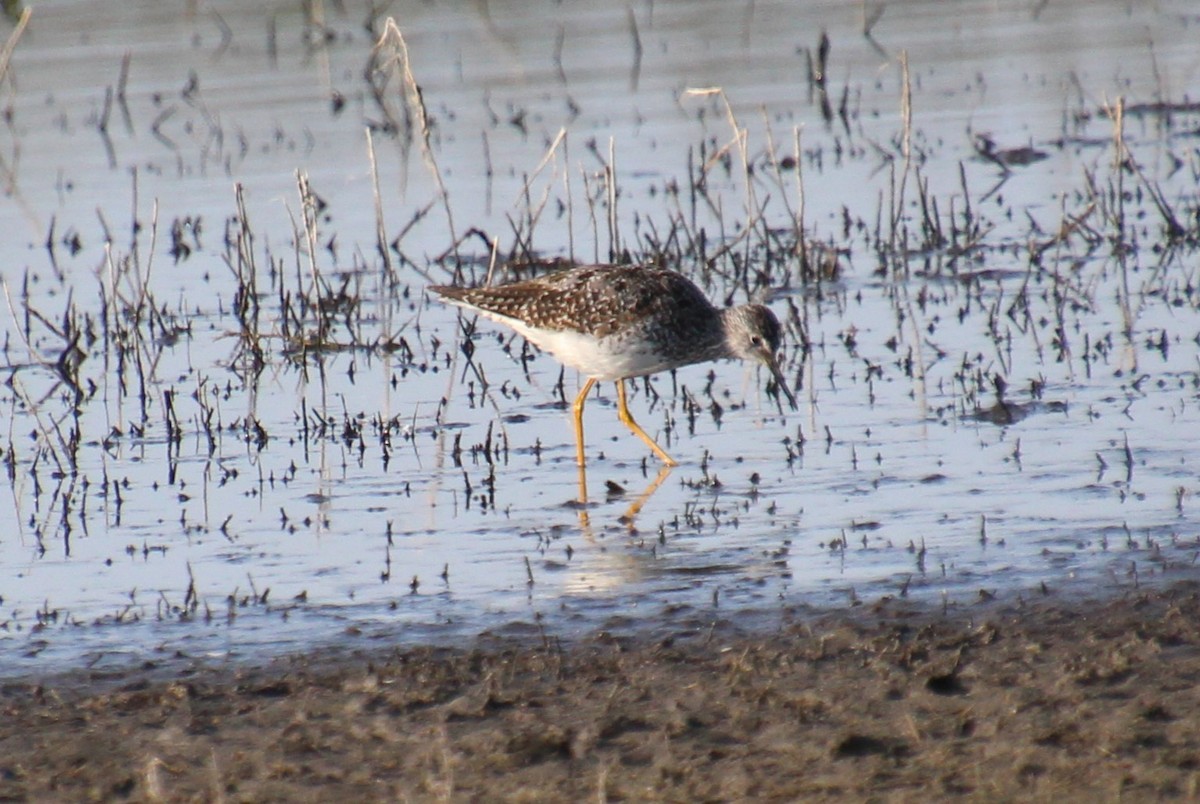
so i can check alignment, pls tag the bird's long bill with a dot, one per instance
(773, 364)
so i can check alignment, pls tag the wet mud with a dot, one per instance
(1048, 697)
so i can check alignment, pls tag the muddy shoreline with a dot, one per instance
(1054, 697)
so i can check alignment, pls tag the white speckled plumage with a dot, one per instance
(616, 322)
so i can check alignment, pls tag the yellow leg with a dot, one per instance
(627, 419)
(577, 409)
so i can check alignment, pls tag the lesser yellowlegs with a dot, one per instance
(616, 322)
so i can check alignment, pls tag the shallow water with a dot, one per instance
(389, 494)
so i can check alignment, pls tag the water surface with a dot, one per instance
(172, 491)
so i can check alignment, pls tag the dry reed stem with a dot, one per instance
(380, 227)
(18, 329)
(533, 212)
(610, 178)
(487, 282)
(13, 38)
(1123, 156)
(801, 243)
(412, 94)
(308, 217)
(143, 282)
(795, 215)
(1116, 113)
(591, 204)
(570, 201)
(34, 408)
(905, 146)
(754, 212)
(549, 155)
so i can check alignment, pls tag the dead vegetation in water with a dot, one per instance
(89, 377)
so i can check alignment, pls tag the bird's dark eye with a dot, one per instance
(757, 341)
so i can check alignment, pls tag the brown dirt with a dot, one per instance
(1043, 700)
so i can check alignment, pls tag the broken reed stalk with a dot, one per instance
(245, 270)
(13, 38)
(968, 217)
(1123, 158)
(801, 242)
(492, 261)
(1175, 230)
(304, 239)
(22, 332)
(308, 219)
(65, 368)
(739, 139)
(111, 323)
(138, 307)
(799, 248)
(533, 212)
(67, 454)
(591, 204)
(570, 200)
(905, 151)
(246, 304)
(1117, 115)
(610, 183)
(754, 211)
(143, 281)
(380, 227)
(412, 94)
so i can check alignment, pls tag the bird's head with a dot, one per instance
(754, 333)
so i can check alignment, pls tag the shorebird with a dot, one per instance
(616, 322)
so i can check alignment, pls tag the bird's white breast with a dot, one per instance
(610, 358)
